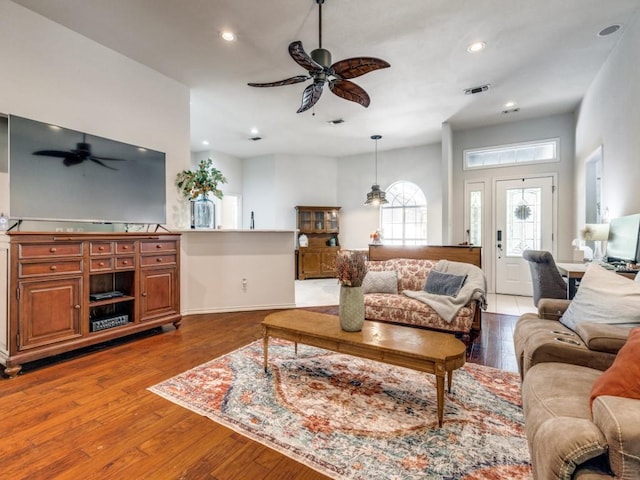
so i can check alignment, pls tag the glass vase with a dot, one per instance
(351, 308)
(203, 213)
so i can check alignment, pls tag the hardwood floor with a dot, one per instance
(89, 414)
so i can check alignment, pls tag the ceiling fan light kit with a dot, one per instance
(376, 196)
(322, 72)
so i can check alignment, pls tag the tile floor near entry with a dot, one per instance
(325, 291)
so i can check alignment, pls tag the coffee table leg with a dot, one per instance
(449, 380)
(440, 393)
(265, 349)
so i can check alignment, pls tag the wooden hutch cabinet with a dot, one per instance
(321, 226)
(72, 290)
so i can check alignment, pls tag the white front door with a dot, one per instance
(524, 220)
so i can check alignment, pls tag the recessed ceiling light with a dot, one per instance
(608, 30)
(205, 142)
(476, 47)
(228, 36)
(509, 104)
(254, 131)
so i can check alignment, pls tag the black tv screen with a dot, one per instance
(61, 174)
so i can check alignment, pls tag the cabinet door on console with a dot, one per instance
(49, 311)
(159, 296)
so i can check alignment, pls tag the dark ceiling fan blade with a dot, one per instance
(350, 91)
(301, 58)
(310, 96)
(95, 159)
(287, 81)
(354, 67)
(53, 153)
(107, 158)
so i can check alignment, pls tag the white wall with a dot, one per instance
(610, 116)
(275, 184)
(52, 74)
(356, 174)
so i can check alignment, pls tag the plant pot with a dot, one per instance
(203, 213)
(351, 308)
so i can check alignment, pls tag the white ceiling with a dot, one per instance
(542, 54)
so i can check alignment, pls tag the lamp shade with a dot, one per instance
(598, 232)
(376, 196)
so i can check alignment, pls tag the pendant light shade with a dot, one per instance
(376, 196)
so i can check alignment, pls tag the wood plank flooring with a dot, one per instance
(89, 415)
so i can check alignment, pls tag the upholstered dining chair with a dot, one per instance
(545, 277)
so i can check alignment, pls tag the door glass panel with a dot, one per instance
(523, 220)
(475, 217)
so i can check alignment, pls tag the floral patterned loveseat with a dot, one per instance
(401, 309)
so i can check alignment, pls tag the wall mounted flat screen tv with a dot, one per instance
(623, 244)
(61, 174)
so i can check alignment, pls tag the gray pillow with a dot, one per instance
(380, 282)
(604, 297)
(440, 283)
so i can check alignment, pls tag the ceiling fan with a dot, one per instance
(322, 71)
(81, 153)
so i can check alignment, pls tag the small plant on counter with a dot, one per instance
(199, 183)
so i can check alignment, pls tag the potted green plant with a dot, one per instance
(196, 185)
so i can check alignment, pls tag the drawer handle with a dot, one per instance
(158, 246)
(125, 262)
(53, 268)
(100, 247)
(125, 247)
(77, 307)
(159, 259)
(101, 264)
(144, 294)
(53, 249)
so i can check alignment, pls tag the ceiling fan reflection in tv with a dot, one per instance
(78, 155)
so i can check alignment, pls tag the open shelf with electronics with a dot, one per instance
(68, 291)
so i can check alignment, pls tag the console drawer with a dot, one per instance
(49, 250)
(59, 267)
(101, 264)
(125, 247)
(157, 246)
(101, 248)
(123, 263)
(152, 260)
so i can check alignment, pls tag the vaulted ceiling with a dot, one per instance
(540, 54)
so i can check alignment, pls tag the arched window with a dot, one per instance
(404, 218)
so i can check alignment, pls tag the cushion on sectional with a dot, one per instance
(380, 282)
(604, 297)
(440, 283)
(622, 378)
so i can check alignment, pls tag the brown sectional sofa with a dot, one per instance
(567, 438)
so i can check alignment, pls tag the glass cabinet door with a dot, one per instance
(319, 221)
(306, 221)
(332, 221)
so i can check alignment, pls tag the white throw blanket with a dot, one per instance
(474, 288)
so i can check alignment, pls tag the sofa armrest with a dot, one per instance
(561, 444)
(602, 337)
(619, 420)
(552, 308)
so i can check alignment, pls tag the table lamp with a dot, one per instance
(597, 232)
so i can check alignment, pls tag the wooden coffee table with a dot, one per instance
(422, 350)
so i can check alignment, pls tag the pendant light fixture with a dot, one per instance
(376, 196)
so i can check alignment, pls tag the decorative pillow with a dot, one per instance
(604, 297)
(622, 378)
(440, 283)
(380, 282)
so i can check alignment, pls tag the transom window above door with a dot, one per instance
(542, 151)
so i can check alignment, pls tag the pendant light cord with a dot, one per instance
(376, 138)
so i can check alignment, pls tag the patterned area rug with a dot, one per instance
(358, 419)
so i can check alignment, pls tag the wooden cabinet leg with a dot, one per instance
(12, 372)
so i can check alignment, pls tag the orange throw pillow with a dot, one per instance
(622, 378)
